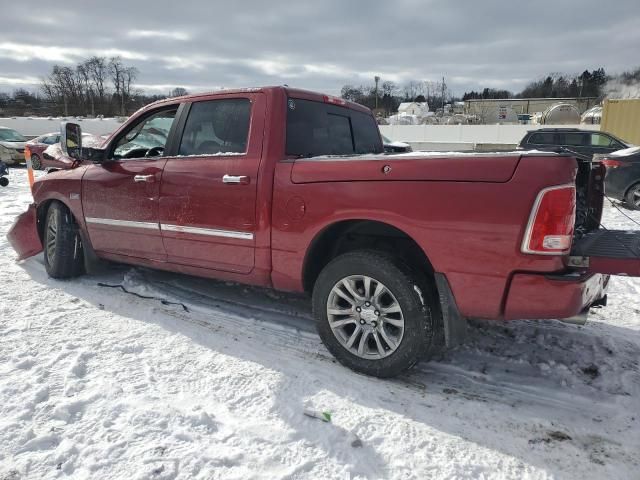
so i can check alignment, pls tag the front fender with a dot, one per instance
(23, 234)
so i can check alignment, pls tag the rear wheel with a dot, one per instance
(35, 162)
(63, 256)
(632, 198)
(374, 314)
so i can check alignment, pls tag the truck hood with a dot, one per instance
(417, 166)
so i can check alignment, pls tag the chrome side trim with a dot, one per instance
(171, 228)
(122, 223)
(207, 231)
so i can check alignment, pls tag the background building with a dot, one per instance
(507, 110)
(622, 119)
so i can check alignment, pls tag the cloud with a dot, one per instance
(324, 45)
(19, 81)
(22, 52)
(182, 36)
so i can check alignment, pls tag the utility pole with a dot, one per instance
(443, 96)
(377, 80)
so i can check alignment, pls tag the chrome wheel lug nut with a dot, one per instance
(358, 309)
(377, 313)
(367, 304)
(361, 322)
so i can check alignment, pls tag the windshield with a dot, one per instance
(8, 135)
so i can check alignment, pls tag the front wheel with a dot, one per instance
(632, 199)
(63, 256)
(36, 164)
(374, 314)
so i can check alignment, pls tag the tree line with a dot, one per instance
(101, 86)
(96, 86)
(555, 85)
(388, 95)
(595, 83)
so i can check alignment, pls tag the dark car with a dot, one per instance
(391, 146)
(38, 145)
(622, 181)
(583, 142)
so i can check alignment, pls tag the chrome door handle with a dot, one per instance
(143, 178)
(235, 179)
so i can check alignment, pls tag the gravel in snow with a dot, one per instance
(96, 383)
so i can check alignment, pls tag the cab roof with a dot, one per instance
(289, 92)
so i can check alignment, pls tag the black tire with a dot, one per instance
(36, 164)
(632, 198)
(63, 256)
(415, 294)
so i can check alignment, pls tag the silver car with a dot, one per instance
(11, 146)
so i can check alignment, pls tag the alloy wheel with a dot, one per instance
(365, 317)
(636, 196)
(51, 234)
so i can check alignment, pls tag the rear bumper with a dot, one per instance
(614, 188)
(534, 296)
(23, 235)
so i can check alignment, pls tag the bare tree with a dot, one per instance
(178, 92)
(116, 72)
(98, 71)
(83, 89)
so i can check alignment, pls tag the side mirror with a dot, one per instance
(71, 140)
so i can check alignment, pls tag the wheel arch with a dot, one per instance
(635, 183)
(347, 235)
(41, 213)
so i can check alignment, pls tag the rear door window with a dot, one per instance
(573, 139)
(315, 129)
(217, 127)
(546, 138)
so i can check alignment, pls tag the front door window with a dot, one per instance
(147, 138)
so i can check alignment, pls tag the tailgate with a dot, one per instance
(614, 252)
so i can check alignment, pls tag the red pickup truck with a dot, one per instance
(290, 189)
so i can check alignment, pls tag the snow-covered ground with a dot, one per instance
(97, 383)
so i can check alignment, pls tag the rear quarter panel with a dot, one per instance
(470, 230)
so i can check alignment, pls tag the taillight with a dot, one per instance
(551, 224)
(611, 163)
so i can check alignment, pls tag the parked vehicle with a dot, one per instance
(53, 158)
(290, 189)
(585, 143)
(622, 181)
(37, 146)
(4, 171)
(11, 146)
(391, 146)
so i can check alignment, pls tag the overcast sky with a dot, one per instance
(321, 45)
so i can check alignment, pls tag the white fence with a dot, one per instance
(435, 137)
(465, 135)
